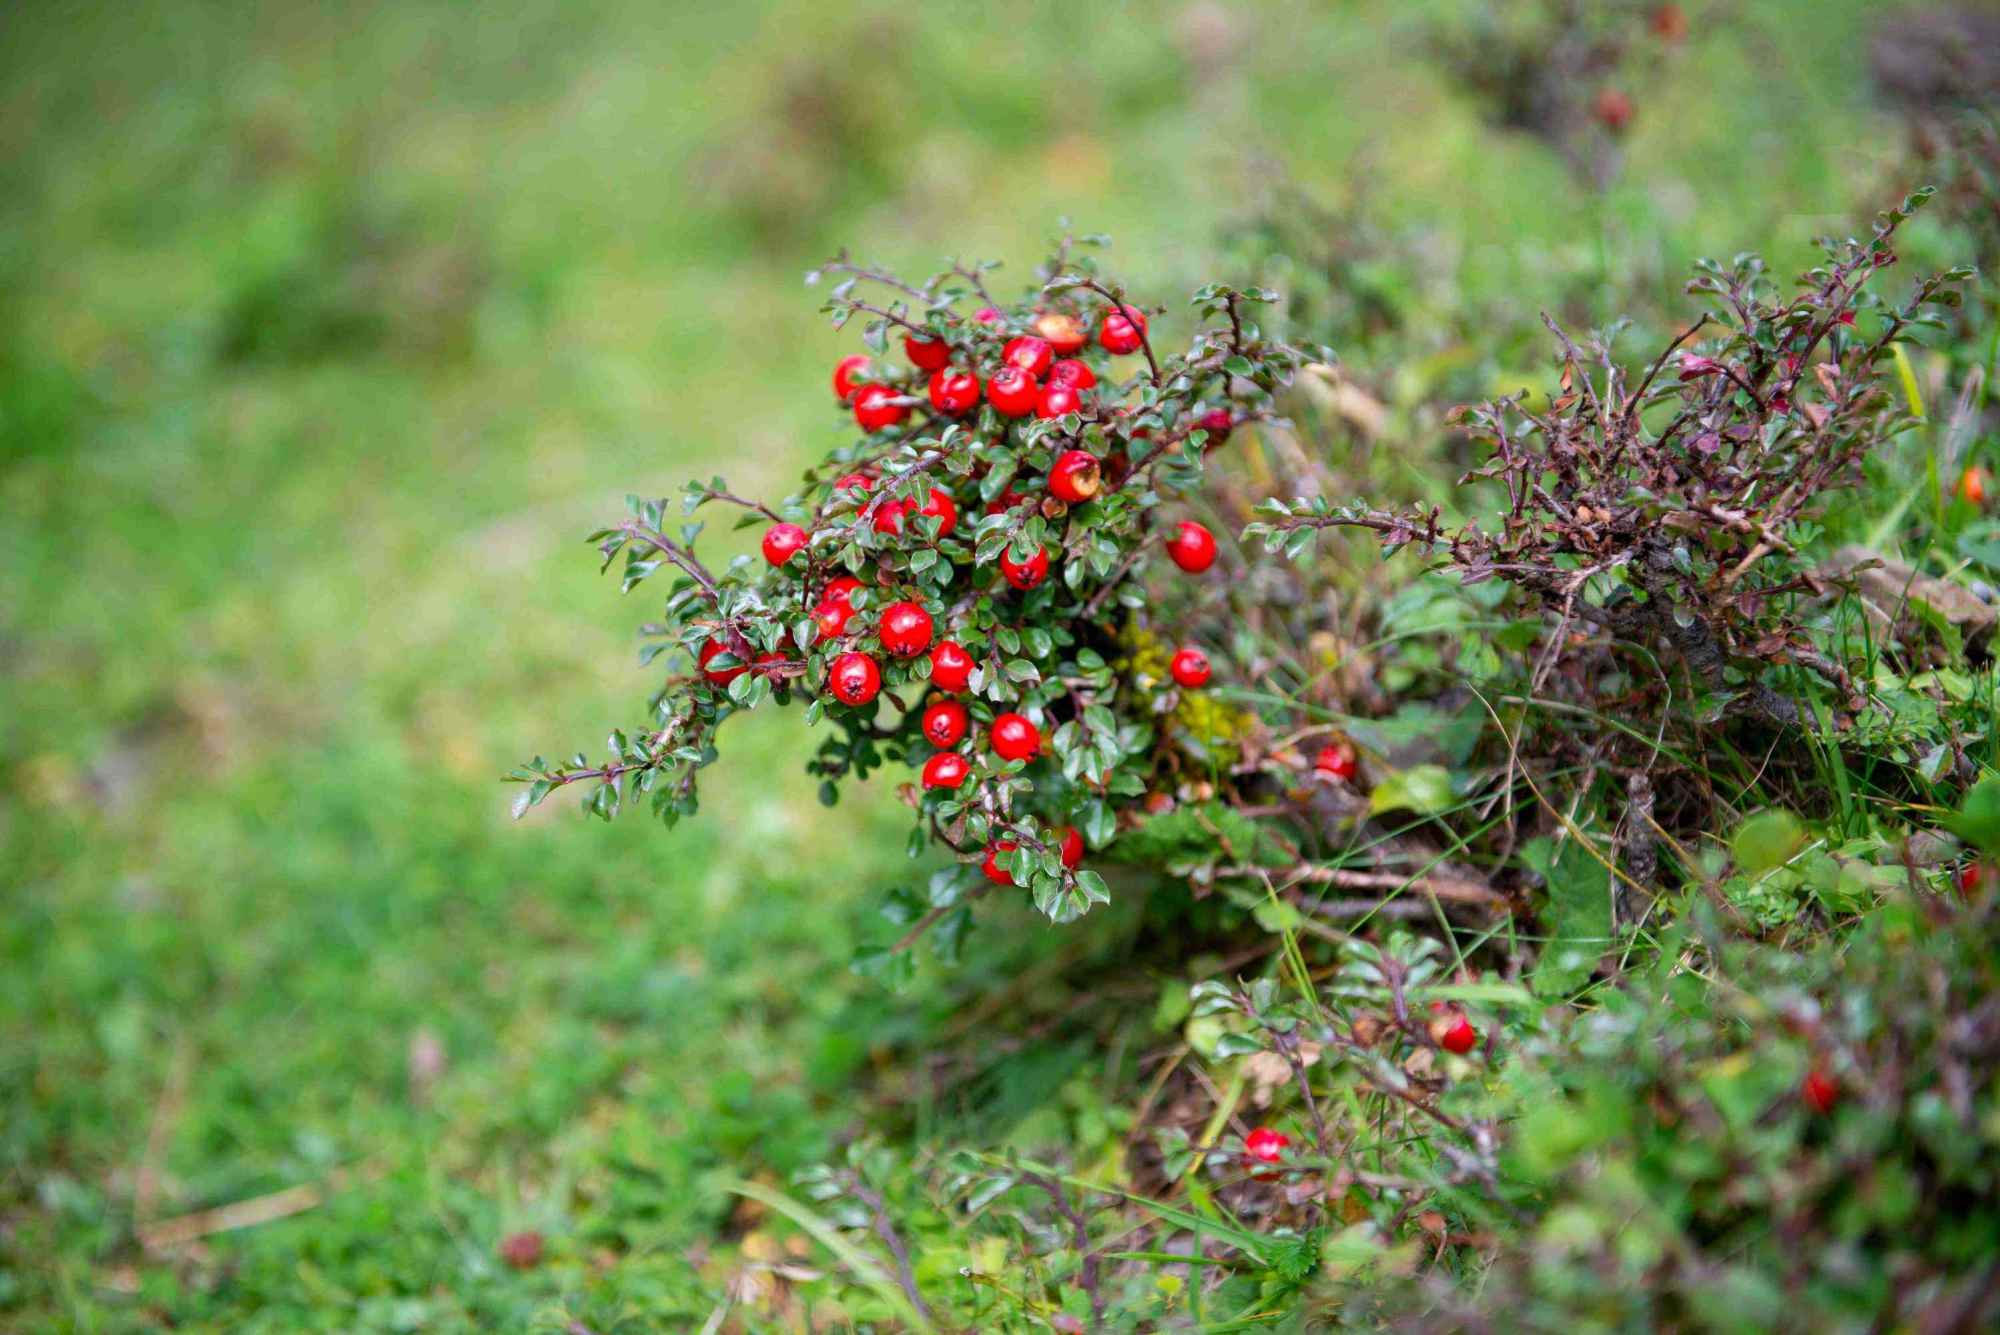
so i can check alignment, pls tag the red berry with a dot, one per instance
(889, 516)
(1074, 477)
(1336, 760)
(951, 666)
(1613, 110)
(1031, 354)
(1266, 1145)
(945, 722)
(1012, 392)
(835, 609)
(1460, 1038)
(992, 867)
(1190, 668)
(1972, 484)
(844, 373)
(857, 483)
(782, 542)
(877, 406)
(941, 508)
(1819, 1091)
(1670, 23)
(1070, 844)
(1064, 334)
(1006, 500)
(854, 678)
(766, 664)
(1846, 318)
(1015, 738)
(1124, 331)
(1077, 375)
(1057, 400)
(1192, 547)
(1025, 574)
(926, 354)
(1218, 423)
(721, 676)
(905, 629)
(1970, 877)
(522, 1251)
(954, 392)
(946, 769)
(988, 315)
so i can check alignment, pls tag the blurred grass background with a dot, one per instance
(328, 329)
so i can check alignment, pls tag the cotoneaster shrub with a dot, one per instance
(962, 591)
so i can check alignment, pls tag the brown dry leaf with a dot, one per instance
(761, 1246)
(1267, 1071)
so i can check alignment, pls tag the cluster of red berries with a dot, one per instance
(956, 562)
(1039, 374)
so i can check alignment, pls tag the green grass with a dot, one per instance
(325, 335)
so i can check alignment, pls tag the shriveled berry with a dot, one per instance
(1074, 477)
(782, 542)
(854, 678)
(945, 722)
(1064, 333)
(1192, 547)
(1025, 574)
(906, 629)
(1015, 738)
(946, 769)
(1190, 668)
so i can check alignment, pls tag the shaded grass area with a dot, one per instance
(326, 332)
